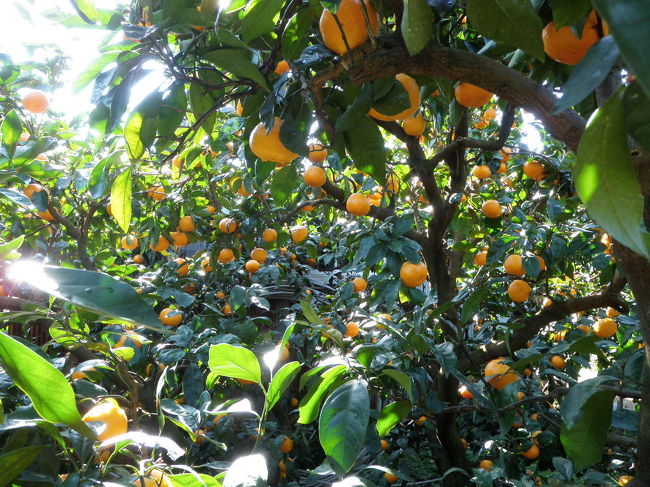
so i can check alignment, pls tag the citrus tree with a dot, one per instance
(321, 251)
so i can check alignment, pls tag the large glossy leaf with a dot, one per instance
(13, 463)
(28, 151)
(98, 180)
(574, 402)
(310, 404)
(172, 110)
(512, 22)
(417, 25)
(48, 389)
(392, 414)
(284, 182)
(16, 197)
(98, 292)
(637, 115)
(280, 382)
(11, 129)
(628, 22)
(238, 62)
(569, 12)
(589, 73)
(231, 361)
(294, 36)
(366, 146)
(605, 177)
(402, 379)
(121, 200)
(260, 18)
(342, 425)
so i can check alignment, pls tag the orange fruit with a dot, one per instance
(353, 24)
(287, 445)
(492, 209)
(390, 477)
(542, 262)
(317, 153)
(360, 284)
(225, 256)
(242, 190)
(413, 91)
(46, 215)
(558, 362)
(186, 224)
(161, 245)
(481, 124)
(183, 267)
(259, 255)
(532, 453)
(563, 46)
(534, 170)
(481, 172)
(392, 183)
(156, 193)
(227, 310)
(269, 235)
(414, 126)
(421, 421)
(156, 477)
(503, 168)
(605, 328)
(358, 204)
(505, 154)
(480, 259)
(413, 275)
(170, 317)
(112, 417)
(486, 465)
(490, 114)
(129, 242)
(228, 225)
(465, 392)
(205, 265)
(534, 416)
(179, 239)
(471, 96)
(611, 312)
(252, 266)
(519, 291)
(498, 374)
(514, 265)
(30, 189)
(35, 101)
(315, 176)
(267, 146)
(220, 295)
(521, 396)
(351, 329)
(299, 233)
(138, 259)
(584, 329)
(624, 480)
(384, 445)
(282, 67)
(210, 209)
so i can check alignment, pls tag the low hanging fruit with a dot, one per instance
(358, 204)
(413, 275)
(498, 374)
(267, 146)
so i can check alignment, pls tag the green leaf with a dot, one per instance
(98, 180)
(417, 25)
(628, 22)
(513, 22)
(17, 198)
(193, 480)
(260, 18)
(472, 304)
(392, 414)
(402, 379)
(13, 463)
(93, 70)
(389, 96)
(589, 73)
(231, 361)
(172, 110)
(11, 129)
(201, 102)
(637, 115)
(134, 145)
(357, 112)
(238, 62)
(280, 382)
(294, 36)
(311, 402)
(342, 425)
(48, 389)
(605, 177)
(98, 292)
(574, 402)
(121, 200)
(365, 353)
(284, 182)
(310, 313)
(8, 250)
(366, 146)
(86, 10)
(569, 12)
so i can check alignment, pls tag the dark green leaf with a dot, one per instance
(390, 97)
(172, 110)
(17, 198)
(402, 379)
(365, 353)
(11, 129)
(392, 414)
(238, 362)
(366, 146)
(574, 403)
(280, 382)
(311, 402)
(357, 111)
(637, 115)
(569, 12)
(310, 313)
(417, 25)
(13, 463)
(403, 224)
(284, 182)
(238, 62)
(342, 425)
(472, 303)
(121, 200)
(294, 36)
(512, 22)
(260, 18)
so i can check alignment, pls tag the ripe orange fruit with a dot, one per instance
(490, 114)
(492, 209)
(392, 183)
(471, 96)
(358, 204)
(542, 262)
(351, 329)
(421, 421)
(315, 176)
(514, 265)
(269, 235)
(390, 477)
(413, 275)
(170, 317)
(46, 215)
(227, 310)
(486, 465)
(111, 415)
(534, 170)
(360, 284)
(611, 312)
(481, 172)
(138, 259)
(564, 47)
(414, 126)
(465, 392)
(558, 362)
(317, 153)
(480, 258)
(35, 101)
(259, 255)
(228, 225)
(353, 23)
(129, 242)
(624, 480)
(481, 124)
(210, 209)
(299, 233)
(225, 256)
(413, 90)
(282, 67)
(584, 329)
(183, 267)
(532, 453)
(501, 374)
(205, 265)
(267, 146)
(519, 291)
(521, 396)
(179, 239)
(30, 189)
(156, 193)
(503, 168)
(605, 328)
(161, 245)
(384, 445)
(287, 445)
(186, 224)
(252, 266)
